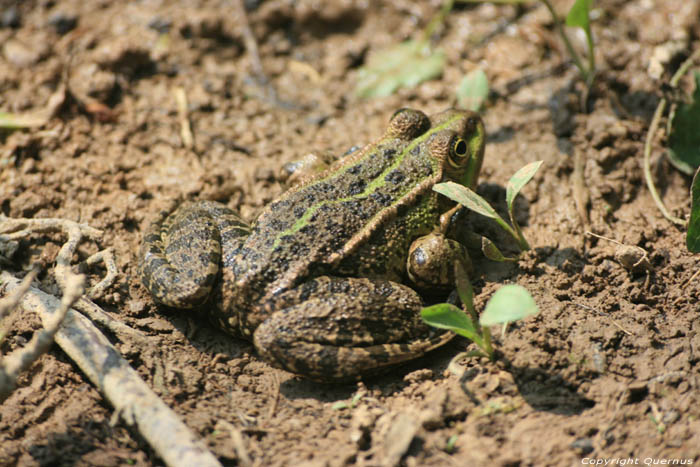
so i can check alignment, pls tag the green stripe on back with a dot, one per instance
(369, 189)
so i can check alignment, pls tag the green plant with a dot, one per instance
(578, 16)
(469, 199)
(692, 237)
(404, 65)
(450, 444)
(509, 303)
(473, 90)
(683, 137)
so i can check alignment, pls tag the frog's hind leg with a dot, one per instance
(339, 329)
(181, 253)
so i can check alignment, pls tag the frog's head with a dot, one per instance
(453, 140)
(458, 140)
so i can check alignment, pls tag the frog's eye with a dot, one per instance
(459, 148)
(458, 152)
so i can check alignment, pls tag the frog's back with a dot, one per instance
(311, 228)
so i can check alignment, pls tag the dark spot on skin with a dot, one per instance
(308, 229)
(395, 176)
(285, 240)
(299, 211)
(383, 288)
(389, 153)
(310, 198)
(306, 290)
(338, 286)
(205, 257)
(355, 169)
(381, 198)
(356, 187)
(416, 150)
(274, 206)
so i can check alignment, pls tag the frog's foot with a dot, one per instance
(431, 261)
(181, 252)
(342, 328)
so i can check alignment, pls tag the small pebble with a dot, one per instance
(633, 258)
(582, 446)
(10, 18)
(63, 22)
(20, 54)
(160, 25)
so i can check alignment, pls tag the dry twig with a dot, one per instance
(18, 361)
(91, 350)
(118, 382)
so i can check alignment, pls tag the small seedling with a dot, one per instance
(469, 199)
(450, 445)
(404, 65)
(341, 405)
(473, 90)
(509, 303)
(692, 238)
(684, 138)
(681, 141)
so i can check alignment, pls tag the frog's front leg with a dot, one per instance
(333, 328)
(182, 251)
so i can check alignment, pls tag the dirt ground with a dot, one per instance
(609, 368)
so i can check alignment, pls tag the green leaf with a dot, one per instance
(684, 140)
(506, 2)
(447, 316)
(15, 121)
(473, 90)
(467, 198)
(578, 15)
(464, 286)
(692, 238)
(519, 180)
(450, 445)
(509, 303)
(491, 251)
(404, 65)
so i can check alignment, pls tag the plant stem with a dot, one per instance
(517, 235)
(522, 241)
(650, 137)
(591, 57)
(577, 60)
(488, 348)
(437, 20)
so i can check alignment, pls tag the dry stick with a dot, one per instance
(107, 257)
(120, 384)
(9, 302)
(650, 137)
(251, 45)
(18, 361)
(185, 128)
(12, 229)
(95, 355)
(581, 196)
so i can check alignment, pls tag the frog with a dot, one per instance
(325, 282)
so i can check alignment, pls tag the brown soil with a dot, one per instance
(608, 369)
